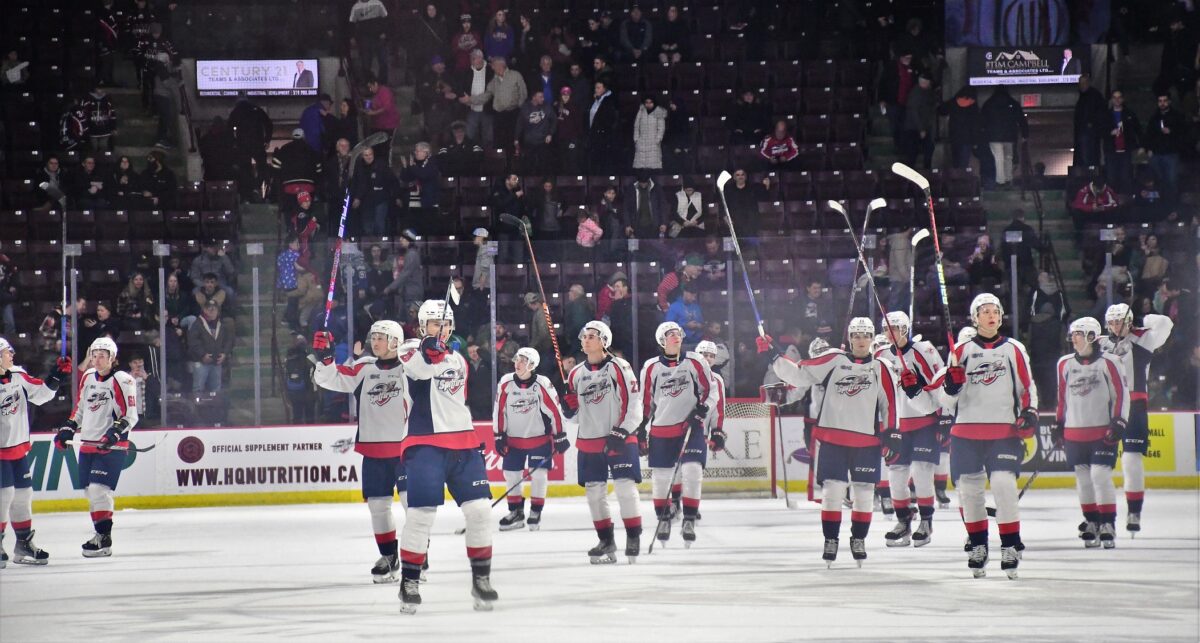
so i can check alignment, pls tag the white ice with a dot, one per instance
(755, 574)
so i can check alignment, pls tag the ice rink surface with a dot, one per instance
(755, 574)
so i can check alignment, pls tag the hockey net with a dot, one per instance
(754, 462)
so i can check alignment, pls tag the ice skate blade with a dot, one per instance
(899, 542)
(1011, 573)
(921, 543)
(859, 563)
(383, 580)
(25, 560)
(1090, 544)
(513, 527)
(99, 553)
(687, 544)
(979, 573)
(603, 560)
(408, 608)
(1108, 544)
(631, 559)
(1133, 533)
(534, 527)
(829, 564)
(943, 505)
(482, 605)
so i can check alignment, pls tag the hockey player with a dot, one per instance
(1093, 408)
(1133, 347)
(17, 387)
(881, 349)
(676, 390)
(381, 389)
(527, 421)
(942, 477)
(715, 425)
(602, 392)
(440, 451)
(989, 384)
(105, 412)
(860, 395)
(914, 443)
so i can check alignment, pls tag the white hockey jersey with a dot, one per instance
(607, 399)
(920, 411)
(859, 398)
(17, 387)
(716, 405)
(671, 391)
(439, 416)
(1091, 392)
(380, 388)
(998, 387)
(101, 402)
(1134, 351)
(527, 411)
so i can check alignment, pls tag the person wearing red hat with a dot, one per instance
(304, 225)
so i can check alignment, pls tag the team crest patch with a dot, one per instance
(382, 393)
(1085, 385)
(450, 381)
(852, 385)
(987, 373)
(97, 400)
(8, 404)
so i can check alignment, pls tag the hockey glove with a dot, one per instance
(890, 456)
(433, 349)
(323, 345)
(115, 433)
(956, 376)
(65, 434)
(913, 383)
(1116, 431)
(942, 430)
(716, 440)
(615, 442)
(643, 439)
(501, 444)
(1026, 424)
(561, 443)
(62, 366)
(698, 416)
(1056, 435)
(572, 402)
(893, 441)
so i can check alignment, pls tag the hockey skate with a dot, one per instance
(924, 531)
(688, 531)
(830, 553)
(1009, 559)
(978, 560)
(410, 595)
(386, 569)
(98, 547)
(1133, 524)
(27, 553)
(1082, 529)
(633, 547)
(858, 549)
(943, 500)
(1089, 535)
(514, 520)
(3, 554)
(1108, 537)
(604, 553)
(535, 520)
(663, 532)
(886, 505)
(899, 536)
(482, 592)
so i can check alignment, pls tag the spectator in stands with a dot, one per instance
(420, 176)
(298, 382)
(1179, 62)
(436, 97)
(636, 37)
(579, 83)
(814, 305)
(335, 176)
(687, 219)
(158, 181)
(591, 42)
(539, 333)
(983, 269)
(180, 305)
(167, 83)
(687, 313)
(498, 38)
(85, 189)
(1023, 249)
(342, 125)
(1046, 333)
(965, 128)
(571, 115)
(217, 152)
(460, 156)
(1003, 120)
(252, 131)
(297, 166)
(742, 197)
(546, 80)
(577, 312)
(103, 324)
(649, 127)
(529, 45)
(303, 224)
(368, 18)
(373, 189)
(1095, 198)
(56, 179)
(8, 294)
(1120, 142)
(677, 141)
(1150, 266)
(559, 44)
(615, 221)
(213, 260)
(587, 232)
(897, 80)
(287, 268)
(669, 289)
(506, 92)
(1090, 123)
(377, 276)
(508, 198)
(603, 119)
(14, 72)
(1148, 202)
(479, 382)
(919, 123)
(607, 293)
(619, 315)
(646, 213)
(312, 122)
(547, 212)
(472, 84)
(714, 257)
(408, 283)
(779, 148)
(136, 306)
(1166, 139)
(603, 72)
(149, 389)
(750, 121)
(385, 116)
(121, 188)
(464, 44)
(429, 38)
(101, 119)
(210, 343)
(210, 289)
(506, 348)
(674, 42)
(72, 126)
(484, 261)
(536, 125)
(154, 51)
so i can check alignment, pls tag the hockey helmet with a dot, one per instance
(966, 334)
(1089, 326)
(1118, 313)
(5, 346)
(880, 343)
(104, 344)
(817, 347)
(660, 335)
(601, 329)
(982, 300)
(898, 320)
(392, 330)
(707, 347)
(531, 355)
(862, 325)
(434, 310)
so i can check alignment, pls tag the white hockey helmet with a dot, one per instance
(707, 347)
(531, 355)
(966, 334)
(1118, 313)
(392, 330)
(982, 300)
(898, 319)
(601, 329)
(881, 342)
(434, 310)
(1089, 326)
(817, 347)
(861, 325)
(660, 335)
(104, 344)
(5, 346)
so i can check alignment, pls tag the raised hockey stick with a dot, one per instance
(915, 177)
(722, 179)
(871, 207)
(912, 270)
(687, 436)
(528, 474)
(991, 511)
(514, 221)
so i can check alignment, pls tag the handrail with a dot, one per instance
(185, 108)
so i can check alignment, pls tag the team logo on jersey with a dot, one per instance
(673, 386)
(1083, 386)
(595, 391)
(523, 404)
(987, 372)
(97, 400)
(382, 393)
(8, 404)
(852, 384)
(450, 381)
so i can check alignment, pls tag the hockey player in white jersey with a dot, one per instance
(1134, 346)
(989, 385)
(380, 390)
(914, 442)
(104, 414)
(18, 389)
(676, 392)
(714, 426)
(441, 451)
(602, 393)
(942, 477)
(859, 401)
(1092, 412)
(529, 426)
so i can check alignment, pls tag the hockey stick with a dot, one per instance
(871, 207)
(60, 198)
(687, 436)
(991, 511)
(723, 179)
(778, 422)
(514, 221)
(912, 270)
(915, 177)
(528, 474)
(132, 447)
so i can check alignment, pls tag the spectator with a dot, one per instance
(919, 123)
(121, 188)
(779, 149)
(8, 294)
(645, 209)
(158, 181)
(592, 41)
(298, 383)
(168, 80)
(335, 177)
(210, 343)
(577, 312)
(136, 306)
(506, 348)
(1046, 334)
(528, 45)
(472, 86)
(1152, 268)
(983, 270)
(636, 37)
(296, 165)
(750, 120)
(546, 81)
(814, 305)
(212, 260)
(1023, 249)
(1148, 202)
(674, 39)
(687, 220)
(55, 178)
(648, 130)
(579, 83)
(479, 383)
(408, 283)
(506, 92)
(342, 125)
(669, 288)
(1166, 138)
(1095, 197)
(965, 128)
(303, 224)
(103, 324)
(742, 199)
(376, 276)
(149, 389)
(368, 20)
(460, 156)
(464, 44)
(1090, 123)
(85, 188)
(287, 269)
(546, 211)
(373, 188)
(603, 119)
(558, 44)
(385, 117)
(72, 126)
(535, 129)
(101, 119)
(181, 311)
(429, 39)
(715, 258)
(572, 128)
(1003, 119)
(619, 316)
(436, 97)
(422, 179)
(210, 290)
(484, 261)
(677, 141)
(14, 72)
(602, 72)
(1179, 61)
(539, 333)
(686, 312)
(312, 122)
(499, 39)
(155, 51)
(252, 132)
(218, 152)
(1120, 142)
(616, 220)
(588, 231)
(607, 293)
(508, 198)
(897, 80)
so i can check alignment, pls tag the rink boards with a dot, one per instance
(300, 464)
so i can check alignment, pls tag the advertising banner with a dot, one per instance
(1023, 66)
(257, 77)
